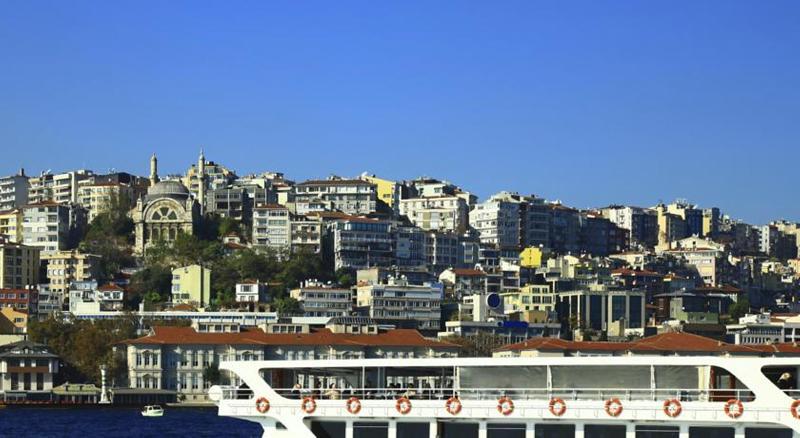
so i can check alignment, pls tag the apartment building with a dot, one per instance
(96, 197)
(13, 191)
(52, 226)
(318, 299)
(272, 227)
(27, 371)
(641, 223)
(191, 285)
(397, 301)
(441, 213)
(251, 292)
(11, 225)
(357, 243)
(511, 222)
(19, 265)
(306, 234)
(350, 196)
(61, 188)
(65, 267)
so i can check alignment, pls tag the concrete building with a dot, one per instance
(174, 357)
(350, 196)
(460, 282)
(11, 225)
(27, 371)
(409, 247)
(25, 300)
(52, 226)
(317, 299)
(13, 321)
(511, 222)
(13, 191)
(191, 285)
(442, 213)
(306, 234)
(357, 243)
(65, 267)
(417, 306)
(272, 228)
(251, 292)
(565, 229)
(671, 227)
(691, 215)
(601, 237)
(204, 176)
(388, 191)
(641, 223)
(96, 197)
(530, 298)
(597, 309)
(88, 297)
(19, 265)
(166, 210)
(442, 251)
(507, 332)
(61, 188)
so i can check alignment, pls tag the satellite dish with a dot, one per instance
(493, 300)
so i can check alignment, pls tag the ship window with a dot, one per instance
(505, 430)
(612, 377)
(370, 430)
(328, 429)
(649, 431)
(602, 431)
(555, 431)
(458, 430)
(677, 377)
(494, 377)
(752, 432)
(711, 432)
(413, 430)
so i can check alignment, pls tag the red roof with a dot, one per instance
(110, 287)
(676, 342)
(469, 272)
(187, 335)
(634, 273)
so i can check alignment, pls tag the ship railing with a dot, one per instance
(392, 393)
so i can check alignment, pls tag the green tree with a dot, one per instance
(286, 306)
(153, 282)
(739, 309)
(345, 277)
(110, 235)
(480, 345)
(211, 374)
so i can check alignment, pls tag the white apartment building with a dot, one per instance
(441, 213)
(319, 300)
(61, 188)
(399, 301)
(351, 196)
(511, 222)
(96, 197)
(272, 227)
(13, 191)
(306, 234)
(251, 292)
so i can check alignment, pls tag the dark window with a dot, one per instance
(636, 312)
(597, 431)
(39, 381)
(555, 431)
(657, 432)
(458, 430)
(328, 429)
(710, 432)
(413, 430)
(767, 433)
(370, 430)
(505, 431)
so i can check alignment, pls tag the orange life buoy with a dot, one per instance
(734, 408)
(353, 405)
(403, 405)
(672, 407)
(308, 405)
(505, 405)
(453, 405)
(795, 409)
(557, 406)
(262, 405)
(613, 407)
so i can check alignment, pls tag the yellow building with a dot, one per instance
(11, 225)
(96, 197)
(191, 285)
(532, 257)
(19, 265)
(388, 191)
(13, 321)
(64, 267)
(530, 298)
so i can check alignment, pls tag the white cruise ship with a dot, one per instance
(702, 396)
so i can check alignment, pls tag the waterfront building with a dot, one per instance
(507, 332)
(27, 371)
(174, 357)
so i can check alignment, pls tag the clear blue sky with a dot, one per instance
(590, 102)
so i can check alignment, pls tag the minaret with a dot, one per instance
(201, 180)
(153, 170)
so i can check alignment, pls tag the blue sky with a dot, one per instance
(590, 102)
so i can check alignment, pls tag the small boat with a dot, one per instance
(152, 411)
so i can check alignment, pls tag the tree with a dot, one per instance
(110, 235)
(211, 374)
(480, 345)
(740, 308)
(345, 277)
(286, 306)
(153, 282)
